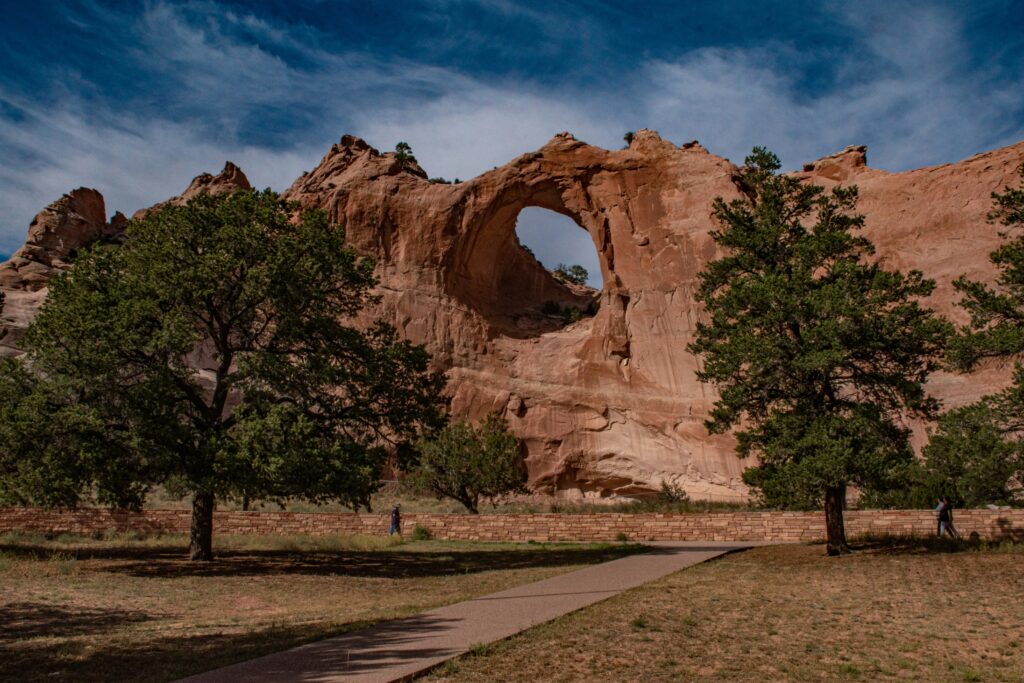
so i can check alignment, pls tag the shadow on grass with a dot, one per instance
(56, 643)
(170, 657)
(23, 620)
(916, 545)
(390, 564)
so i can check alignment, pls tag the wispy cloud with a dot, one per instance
(476, 127)
(135, 163)
(272, 95)
(904, 94)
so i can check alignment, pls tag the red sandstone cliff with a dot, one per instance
(608, 404)
(57, 233)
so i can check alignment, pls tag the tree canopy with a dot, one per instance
(575, 273)
(976, 455)
(977, 452)
(817, 350)
(467, 463)
(403, 154)
(212, 353)
(996, 328)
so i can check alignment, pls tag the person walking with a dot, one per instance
(396, 520)
(947, 507)
(946, 518)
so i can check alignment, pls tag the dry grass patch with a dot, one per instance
(896, 611)
(131, 608)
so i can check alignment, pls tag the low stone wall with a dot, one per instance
(716, 526)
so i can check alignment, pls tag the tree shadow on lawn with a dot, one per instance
(23, 620)
(169, 657)
(389, 564)
(919, 545)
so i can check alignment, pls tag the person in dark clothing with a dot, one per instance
(945, 510)
(396, 520)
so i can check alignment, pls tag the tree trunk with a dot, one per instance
(835, 499)
(201, 536)
(469, 501)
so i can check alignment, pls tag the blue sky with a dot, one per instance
(136, 98)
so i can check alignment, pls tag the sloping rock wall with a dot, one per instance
(610, 404)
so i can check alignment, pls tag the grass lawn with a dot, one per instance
(895, 611)
(135, 609)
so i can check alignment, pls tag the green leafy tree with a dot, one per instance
(210, 353)
(817, 350)
(575, 273)
(468, 463)
(996, 329)
(976, 455)
(403, 155)
(976, 450)
(628, 137)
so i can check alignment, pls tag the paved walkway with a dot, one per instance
(396, 650)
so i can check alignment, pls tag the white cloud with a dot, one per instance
(134, 163)
(905, 93)
(478, 127)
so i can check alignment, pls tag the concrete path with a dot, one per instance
(396, 650)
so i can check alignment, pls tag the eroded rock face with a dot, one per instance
(76, 220)
(54, 237)
(610, 404)
(228, 180)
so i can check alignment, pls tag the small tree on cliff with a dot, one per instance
(209, 354)
(403, 154)
(467, 463)
(575, 273)
(815, 349)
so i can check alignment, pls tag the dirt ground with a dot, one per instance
(135, 609)
(895, 611)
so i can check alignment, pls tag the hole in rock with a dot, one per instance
(496, 267)
(556, 240)
(559, 273)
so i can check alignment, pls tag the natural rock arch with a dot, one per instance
(609, 404)
(490, 272)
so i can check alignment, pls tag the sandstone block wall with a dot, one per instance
(718, 526)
